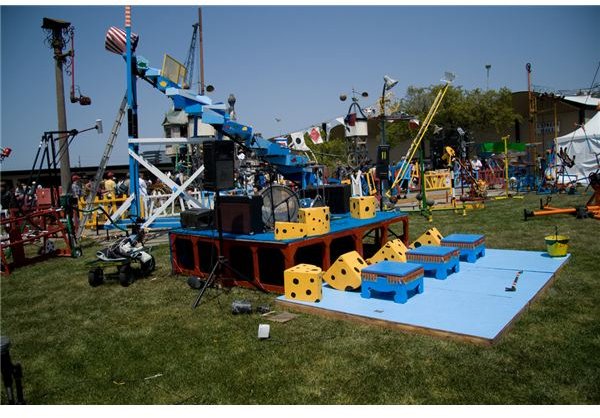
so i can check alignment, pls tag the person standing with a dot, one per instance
(143, 186)
(110, 186)
(76, 186)
(476, 166)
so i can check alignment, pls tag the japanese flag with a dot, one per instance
(315, 135)
(298, 143)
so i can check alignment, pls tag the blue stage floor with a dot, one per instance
(339, 222)
(471, 304)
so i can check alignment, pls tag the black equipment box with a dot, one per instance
(197, 218)
(241, 214)
(218, 164)
(337, 196)
(383, 161)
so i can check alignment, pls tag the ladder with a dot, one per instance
(89, 204)
(418, 138)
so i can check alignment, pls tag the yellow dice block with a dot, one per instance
(431, 237)
(303, 282)
(290, 230)
(307, 215)
(344, 274)
(392, 251)
(317, 220)
(363, 207)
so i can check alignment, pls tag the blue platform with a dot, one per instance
(339, 223)
(471, 246)
(470, 305)
(391, 277)
(436, 260)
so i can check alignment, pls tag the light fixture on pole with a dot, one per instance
(383, 157)
(231, 101)
(388, 84)
(487, 67)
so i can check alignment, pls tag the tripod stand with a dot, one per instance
(221, 262)
(11, 373)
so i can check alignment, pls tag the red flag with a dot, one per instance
(350, 119)
(315, 135)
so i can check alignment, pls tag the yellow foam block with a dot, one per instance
(303, 282)
(307, 215)
(290, 230)
(344, 274)
(392, 251)
(363, 207)
(317, 220)
(431, 237)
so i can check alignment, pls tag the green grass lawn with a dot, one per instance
(83, 345)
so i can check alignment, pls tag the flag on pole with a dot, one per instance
(116, 39)
(315, 135)
(281, 141)
(297, 142)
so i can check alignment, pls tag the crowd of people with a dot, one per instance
(24, 197)
(109, 187)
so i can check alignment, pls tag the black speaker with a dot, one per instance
(218, 164)
(196, 218)
(383, 161)
(241, 214)
(337, 196)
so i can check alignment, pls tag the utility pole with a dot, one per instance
(487, 67)
(57, 29)
(201, 51)
(532, 106)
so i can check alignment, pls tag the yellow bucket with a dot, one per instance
(557, 245)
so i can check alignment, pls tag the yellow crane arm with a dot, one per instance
(418, 138)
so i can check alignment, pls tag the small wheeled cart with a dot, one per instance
(122, 254)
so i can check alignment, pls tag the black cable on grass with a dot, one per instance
(100, 208)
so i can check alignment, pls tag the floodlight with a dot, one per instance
(448, 77)
(389, 82)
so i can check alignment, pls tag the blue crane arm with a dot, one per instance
(292, 166)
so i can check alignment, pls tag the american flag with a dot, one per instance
(116, 41)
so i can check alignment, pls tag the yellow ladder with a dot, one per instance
(419, 137)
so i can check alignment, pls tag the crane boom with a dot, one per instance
(417, 140)
(189, 61)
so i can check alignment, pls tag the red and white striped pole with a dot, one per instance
(127, 16)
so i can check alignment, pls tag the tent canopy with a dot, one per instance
(584, 144)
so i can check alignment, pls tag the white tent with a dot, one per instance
(584, 144)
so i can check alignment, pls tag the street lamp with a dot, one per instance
(231, 101)
(388, 84)
(383, 157)
(487, 67)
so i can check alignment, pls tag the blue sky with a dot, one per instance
(288, 62)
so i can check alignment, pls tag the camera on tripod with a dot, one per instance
(11, 373)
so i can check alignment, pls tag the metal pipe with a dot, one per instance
(201, 52)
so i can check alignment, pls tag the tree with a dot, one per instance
(474, 111)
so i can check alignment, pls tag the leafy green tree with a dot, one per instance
(330, 153)
(473, 111)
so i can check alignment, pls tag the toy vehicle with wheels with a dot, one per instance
(122, 253)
